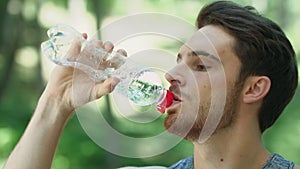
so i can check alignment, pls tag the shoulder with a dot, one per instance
(184, 163)
(277, 161)
(148, 167)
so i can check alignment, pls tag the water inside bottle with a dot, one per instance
(144, 93)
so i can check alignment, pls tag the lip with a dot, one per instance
(173, 108)
(176, 98)
(176, 102)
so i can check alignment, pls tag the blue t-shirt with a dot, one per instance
(275, 162)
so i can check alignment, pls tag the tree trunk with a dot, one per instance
(9, 44)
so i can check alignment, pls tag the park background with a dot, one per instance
(23, 75)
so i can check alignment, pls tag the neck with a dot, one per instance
(237, 146)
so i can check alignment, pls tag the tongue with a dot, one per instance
(166, 103)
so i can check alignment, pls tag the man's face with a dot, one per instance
(204, 82)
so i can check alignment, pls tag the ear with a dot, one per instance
(256, 88)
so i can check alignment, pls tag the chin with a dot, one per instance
(176, 127)
(177, 124)
(172, 114)
(169, 120)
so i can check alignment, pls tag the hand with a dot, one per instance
(73, 88)
(67, 89)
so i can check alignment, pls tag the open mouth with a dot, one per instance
(168, 101)
(177, 99)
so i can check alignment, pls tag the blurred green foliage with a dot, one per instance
(23, 28)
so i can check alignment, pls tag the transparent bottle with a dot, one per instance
(135, 80)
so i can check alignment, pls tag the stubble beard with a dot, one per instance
(181, 124)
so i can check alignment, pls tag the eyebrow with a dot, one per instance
(204, 53)
(200, 52)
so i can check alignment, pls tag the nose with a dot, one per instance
(175, 76)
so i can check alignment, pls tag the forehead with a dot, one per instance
(211, 39)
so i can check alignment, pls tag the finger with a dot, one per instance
(122, 52)
(99, 57)
(97, 43)
(108, 46)
(74, 50)
(84, 35)
(106, 87)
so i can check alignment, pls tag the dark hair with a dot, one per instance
(262, 48)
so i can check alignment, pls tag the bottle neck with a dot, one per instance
(162, 97)
(165, 101)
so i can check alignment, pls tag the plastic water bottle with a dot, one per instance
(98, 64)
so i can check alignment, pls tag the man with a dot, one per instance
(233, 79)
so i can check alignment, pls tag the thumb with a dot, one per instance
(106, 87)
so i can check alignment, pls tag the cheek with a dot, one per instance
(191, 95)
(204, 87)
(212, 88)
